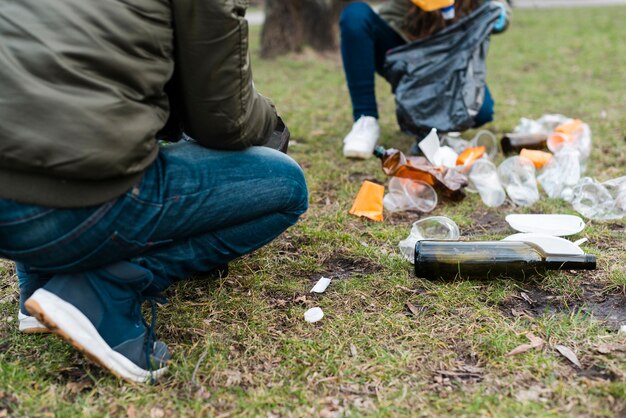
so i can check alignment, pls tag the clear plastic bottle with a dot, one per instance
(490, 260)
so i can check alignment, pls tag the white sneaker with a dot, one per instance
(362, 139)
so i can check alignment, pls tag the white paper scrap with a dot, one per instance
(313, 315)
(430, 145)
(321, 285)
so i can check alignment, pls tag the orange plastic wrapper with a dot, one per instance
(449, 183)
(470, 155)
(539, 158)
(369, 201)
(565, 133)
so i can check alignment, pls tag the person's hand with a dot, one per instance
(279, 139)
(503, 22)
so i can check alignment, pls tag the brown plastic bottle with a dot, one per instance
(449, 182)
(513, 143)
(490, 260)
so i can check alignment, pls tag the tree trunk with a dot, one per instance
(292, 24)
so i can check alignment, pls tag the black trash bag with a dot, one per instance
(439, 82)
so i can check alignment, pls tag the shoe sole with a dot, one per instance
(30, 325)
(63, 319)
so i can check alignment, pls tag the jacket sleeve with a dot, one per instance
(220, 106)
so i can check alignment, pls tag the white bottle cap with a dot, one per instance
(448, 12)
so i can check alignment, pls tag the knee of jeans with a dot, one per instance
(355, 16)
(299, 201)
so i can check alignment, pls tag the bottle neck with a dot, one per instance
(571, 262)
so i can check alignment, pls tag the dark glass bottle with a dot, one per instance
(490, 260)
(513, 143)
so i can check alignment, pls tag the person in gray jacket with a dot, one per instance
(96, 214)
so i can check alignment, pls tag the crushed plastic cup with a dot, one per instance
(595, 201)
(410, 195)
(431, 228)
(484, 177)
(561, 174)
(517, 175)
(488, 140)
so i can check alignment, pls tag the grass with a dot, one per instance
(254, 354)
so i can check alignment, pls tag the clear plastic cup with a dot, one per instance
(484, 177)
(431, 228)
(488, 140)
(517, 175)
(410, 195)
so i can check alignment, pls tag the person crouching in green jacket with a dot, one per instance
(96, 214)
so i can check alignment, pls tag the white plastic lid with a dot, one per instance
(556, 225)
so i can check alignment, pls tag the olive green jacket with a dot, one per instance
(394, 11)
(82, 91)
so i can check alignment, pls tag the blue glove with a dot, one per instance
(502, 21)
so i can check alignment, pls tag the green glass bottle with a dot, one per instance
(490, 260)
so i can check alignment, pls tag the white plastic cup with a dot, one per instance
(517, 175)
(484, 177)
(488, 140)
(410, 195)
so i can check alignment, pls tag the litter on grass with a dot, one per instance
(369, 201)
(321, 285)
(313, 315)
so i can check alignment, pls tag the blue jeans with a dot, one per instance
(365, 40)
(193, 210)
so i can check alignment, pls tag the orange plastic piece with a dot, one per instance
(470, 155)
(566, 133)
(430, 5)
(369, 201)
(539, 158)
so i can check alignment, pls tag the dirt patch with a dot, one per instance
(487, 223)
(598, 373)
(359, 177)
(403, 218)
(342, 266)
(609, 308)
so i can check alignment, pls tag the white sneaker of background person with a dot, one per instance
(362, 139)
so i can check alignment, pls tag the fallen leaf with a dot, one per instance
(535, 342)
(609, 348)
(412, 308)
(300, 299)
(130, 412)
(527, 298)
(77, 387)
(353, 351)
(568, 354)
